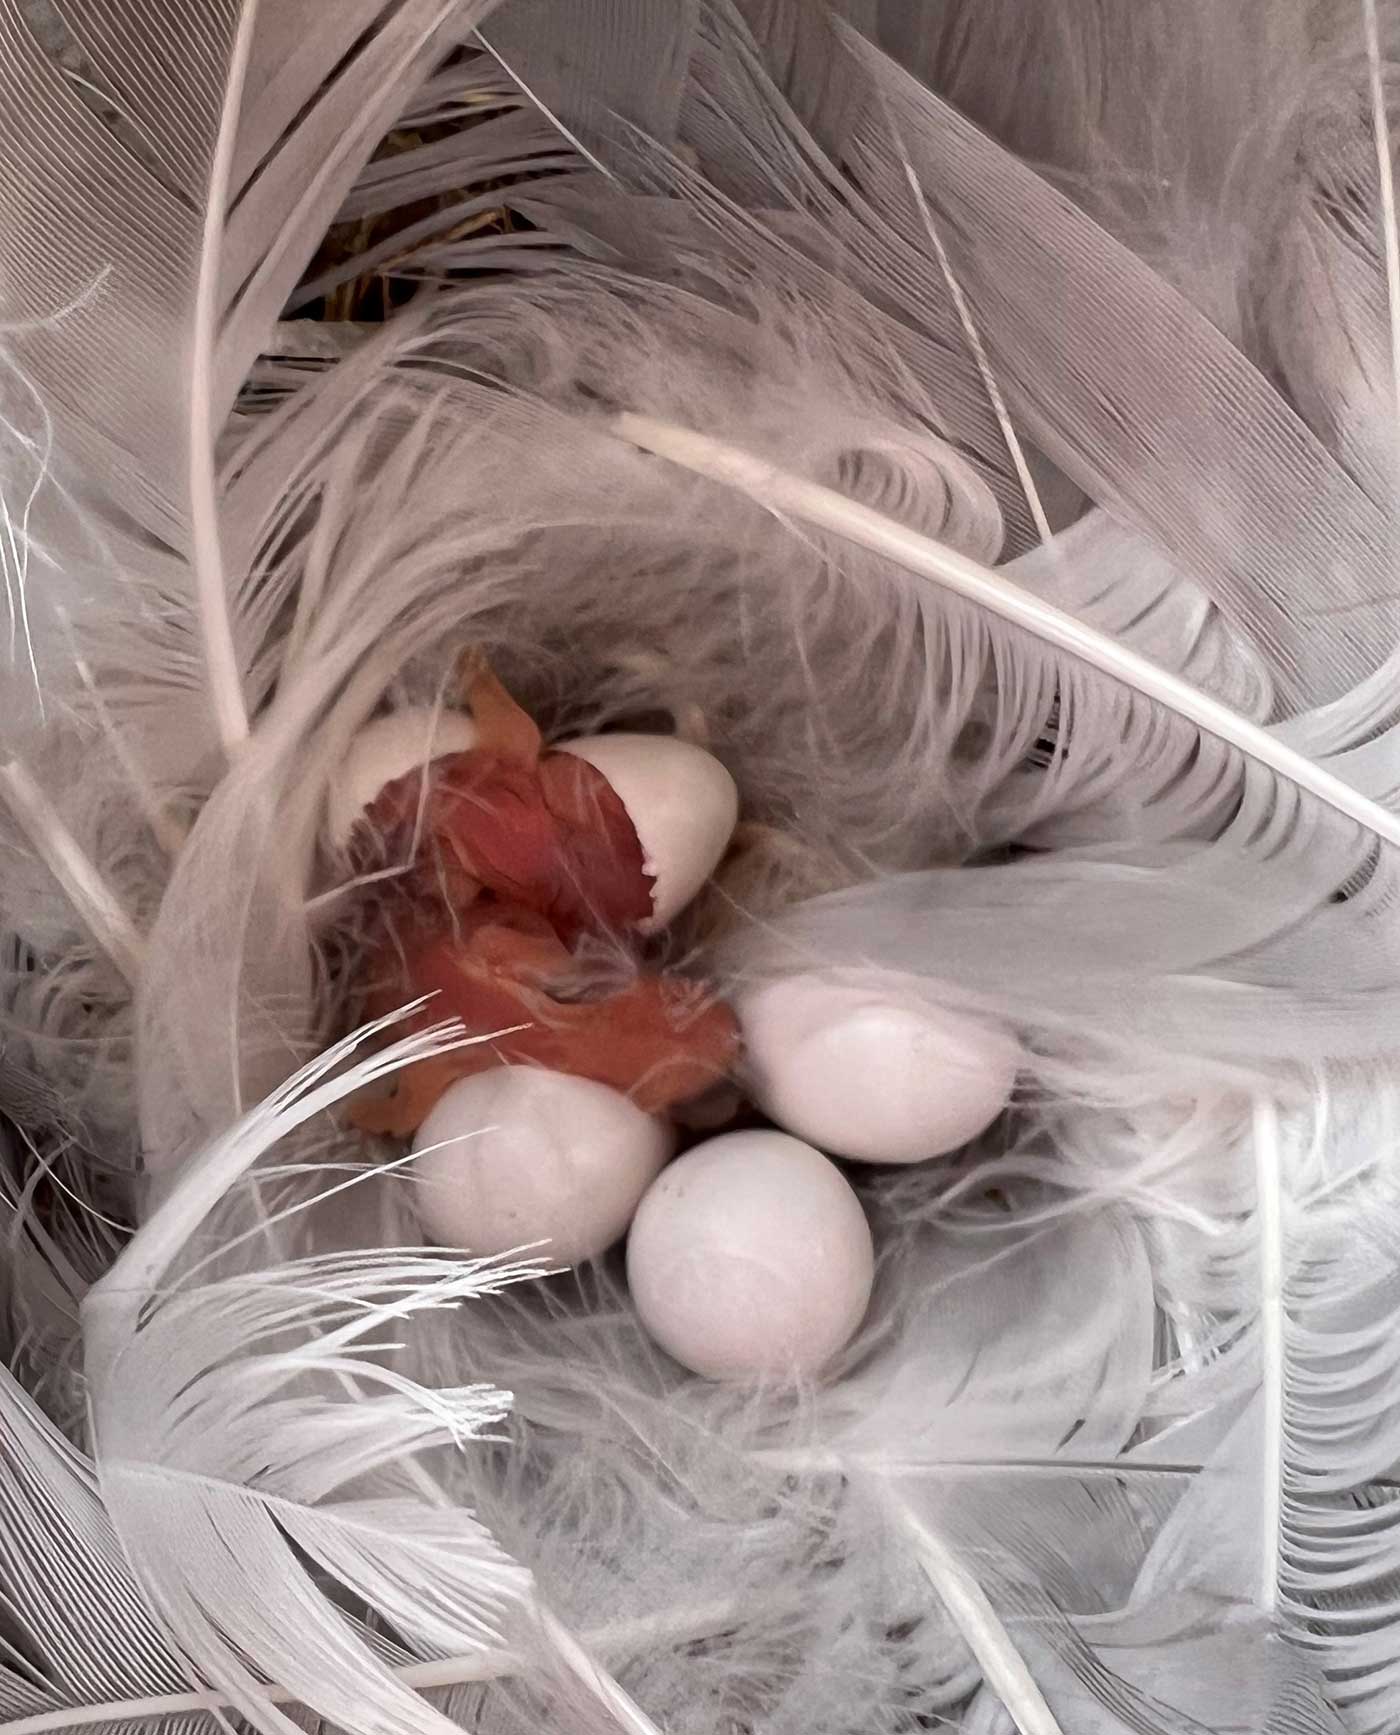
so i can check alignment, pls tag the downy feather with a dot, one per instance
(249, 1453)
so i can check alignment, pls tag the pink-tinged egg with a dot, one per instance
(386, 749)
(520, 1155)
(870, 1073)
(682, 803)
(750, 1257)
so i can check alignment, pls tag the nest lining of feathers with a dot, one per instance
(827, 716)
(1081, 1322)
(828, 698)
(854, 710)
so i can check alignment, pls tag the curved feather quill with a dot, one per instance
(828, 510)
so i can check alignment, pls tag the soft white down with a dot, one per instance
(872, 1075)
(386, 749)
(518, 1156)
(751, 1257)
(682, 802)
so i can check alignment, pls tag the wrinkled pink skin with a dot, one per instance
(520, 855)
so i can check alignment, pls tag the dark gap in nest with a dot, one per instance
(365, 39)
(1361, 877)
(1053, 743)
(17, 1652)
(1349, 213)
(373, 296)
(74, 1213)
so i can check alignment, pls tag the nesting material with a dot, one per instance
(973, 421)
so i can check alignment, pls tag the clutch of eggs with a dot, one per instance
(751, 1255)
(748, 1257)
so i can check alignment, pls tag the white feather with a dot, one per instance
(182, 216)
(827, 510)
(225, 1457)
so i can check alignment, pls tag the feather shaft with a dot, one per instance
(211, 588)
(625, 1710)
(620, 1638)
(783, 493)
(569, 137)
(91, 897)
(968, 1605)
(1390, 229)
(984, 362)
(1269, 1218)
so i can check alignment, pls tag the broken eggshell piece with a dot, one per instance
(872, 1073)
(519, 1155)
(682, 803)
(386, 749)
(751, 1258)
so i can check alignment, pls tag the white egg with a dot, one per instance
(682, 802)
(873, 1075)
(519, 1155)
(386, 749)
(751, 1256)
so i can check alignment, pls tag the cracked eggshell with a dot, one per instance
(872, 1075)
(386, 749)
(751, 1257)
(682, 803)
(519, 1155)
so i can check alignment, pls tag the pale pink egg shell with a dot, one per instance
(873, 1077)
(682, 803)
(751, 1257)
(520, 1155)
(386, 749)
